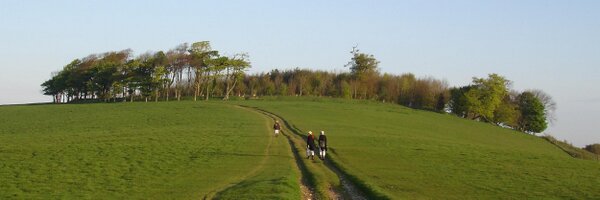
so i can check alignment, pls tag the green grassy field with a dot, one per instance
(193, 150)
(405, 153)
(175, 150)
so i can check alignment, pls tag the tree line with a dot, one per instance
(198, 71)
(187, 70)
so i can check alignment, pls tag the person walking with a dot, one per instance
(322, 145)
(310, 142)
(277, 127)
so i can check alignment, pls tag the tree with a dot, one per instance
(178, 61)
(594, 148)
(363, 68)
(200, 55)
(485, 96)
(441, 103)
(143, 75)
(131, 78)
(458, 101)
(198, 70)
(214, 68)
(507, 113)
(159, 71)
(235, 68)
(388, 88)
(532, 114)
(362, 64)
(549, 104)
(55, 87)
(407, 87)
(300, 78)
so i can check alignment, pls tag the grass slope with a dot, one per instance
(406, 153)
(175, 150)
(275, 178)
(324, 182)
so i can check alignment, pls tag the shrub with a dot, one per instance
(594, 148)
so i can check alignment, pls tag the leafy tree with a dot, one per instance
(178, 61)
(549, 104)
(485, 96)
(507, 113)
(55, 87)
(200, 55)
(458, 101)
(362, 64)
(199, 70)
(363, 68)
(407, 85)
(300, 78)
(388, 88)
(235, 68)
(214, 68)
(346, 90)
(532, 114)
(441, 103)
(131, 77)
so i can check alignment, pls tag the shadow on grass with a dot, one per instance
(362, 188)
(256, 189)
(308, 179)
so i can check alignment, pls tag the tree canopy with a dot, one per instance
(198, 70)
(491, 100)
(532, 118)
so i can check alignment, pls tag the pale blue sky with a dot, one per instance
(550, 45)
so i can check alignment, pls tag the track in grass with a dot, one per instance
(216, 193)
(165, 150)
(275, 177)
(307, 189)
(395, 152)
(311, 185)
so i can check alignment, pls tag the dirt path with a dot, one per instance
(347, 190)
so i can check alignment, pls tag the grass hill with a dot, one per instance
(405, 153)
(192, 150)
(174, 150)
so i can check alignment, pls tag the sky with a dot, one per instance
(549, 45)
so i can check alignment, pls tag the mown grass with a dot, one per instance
(404, 153)
(166, 150)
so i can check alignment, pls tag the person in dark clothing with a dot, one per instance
(322, 145)
(310, 141)
(277, 127)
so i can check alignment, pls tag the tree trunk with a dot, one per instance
(167, 94)
(197, 92)
(226, 97)
(229, 89)
(207, 91)
(156, 97)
